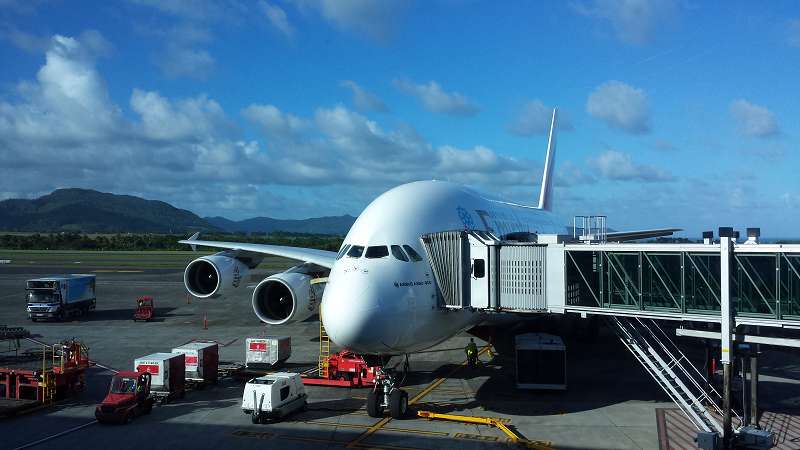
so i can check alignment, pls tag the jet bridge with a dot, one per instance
(634, 285)
(477, 269)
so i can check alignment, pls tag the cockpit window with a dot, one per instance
(398, 253)
(355, 251)
(412, 253)
(377, 251)
(343, 251)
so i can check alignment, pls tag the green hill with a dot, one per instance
(90, 211)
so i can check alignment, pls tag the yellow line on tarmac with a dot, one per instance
(355, 425)
(356, 443)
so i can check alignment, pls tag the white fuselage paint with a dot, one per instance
(388, 306)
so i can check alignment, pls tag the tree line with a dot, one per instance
(144, 242)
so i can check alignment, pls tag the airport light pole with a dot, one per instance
(726, 323)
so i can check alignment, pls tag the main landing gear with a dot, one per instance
(387, 394)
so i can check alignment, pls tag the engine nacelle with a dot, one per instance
(215, 275)
(285, 298)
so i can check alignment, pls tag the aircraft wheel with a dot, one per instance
(374, 406)
(398, 404)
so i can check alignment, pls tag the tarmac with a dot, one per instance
(610, 403)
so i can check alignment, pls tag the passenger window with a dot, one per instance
(355, 251)
(478, 268)
(343, 251)
(412, 253)
(378, 251)
(284, 393)
(398, 253)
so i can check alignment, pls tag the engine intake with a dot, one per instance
(284, 298)
(215, 275)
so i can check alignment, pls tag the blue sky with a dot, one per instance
(674, 113)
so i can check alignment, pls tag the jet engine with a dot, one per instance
(285, 297)
(215, 275)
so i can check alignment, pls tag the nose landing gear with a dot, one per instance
(387, 394)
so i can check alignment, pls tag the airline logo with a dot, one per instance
(258, 346)
(152, 369)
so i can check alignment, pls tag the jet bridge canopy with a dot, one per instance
(475, 269)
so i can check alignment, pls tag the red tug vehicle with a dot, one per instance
(128, 397)
(344, 369)
(144, 308)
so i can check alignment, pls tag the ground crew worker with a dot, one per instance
(472, 353)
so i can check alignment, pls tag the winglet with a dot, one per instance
(546, 193)
(194, 238)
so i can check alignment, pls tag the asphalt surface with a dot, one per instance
(611, 402)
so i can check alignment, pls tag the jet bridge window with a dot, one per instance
(343, 251)
(377, 251)
(355, 251)
(412, 253)
(398, 253)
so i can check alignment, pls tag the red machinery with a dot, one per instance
(144, 308)
(54, 375)
(345, 369)
(128, 397)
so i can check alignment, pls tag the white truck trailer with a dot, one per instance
(60, 296)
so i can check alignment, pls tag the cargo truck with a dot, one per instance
(60, 296)
(274, 396)
(168, 372)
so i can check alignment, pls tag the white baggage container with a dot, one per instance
(274, 396)
(267, 351)
(201, 360)
(167, 371)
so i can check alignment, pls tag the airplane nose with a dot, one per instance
(351, 314)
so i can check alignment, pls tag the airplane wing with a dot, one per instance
(322, 258)
(621, 236)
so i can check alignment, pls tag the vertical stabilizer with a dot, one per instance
(546, 194)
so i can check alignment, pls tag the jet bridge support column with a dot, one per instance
(726, 344)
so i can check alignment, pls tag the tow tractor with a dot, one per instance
(144, 308)
(344, 369)
(128, 397)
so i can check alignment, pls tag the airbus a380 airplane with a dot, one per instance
(380, 296)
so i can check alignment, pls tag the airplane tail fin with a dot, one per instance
(546, 193)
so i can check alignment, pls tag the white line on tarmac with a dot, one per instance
(48, 438)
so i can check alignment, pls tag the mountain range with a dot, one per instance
(89, 211)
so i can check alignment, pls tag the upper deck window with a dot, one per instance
(412, 253)
(377, 251)
(398, 253)
(355, 251)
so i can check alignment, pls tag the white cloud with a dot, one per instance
(277, 17)
(364, 100)
(435, 99)
(754, 120)
(616, 165)
(61, 129)
(376, 19)
(184, 61)
(621, 106)
(633, 21)
(535, 118)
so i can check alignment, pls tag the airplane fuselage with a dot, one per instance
(385, 305)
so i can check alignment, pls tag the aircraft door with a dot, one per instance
(479, 278)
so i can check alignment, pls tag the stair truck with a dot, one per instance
(60, 296)
(128, 397)
(168, 371)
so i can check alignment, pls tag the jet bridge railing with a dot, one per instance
(683, 280)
